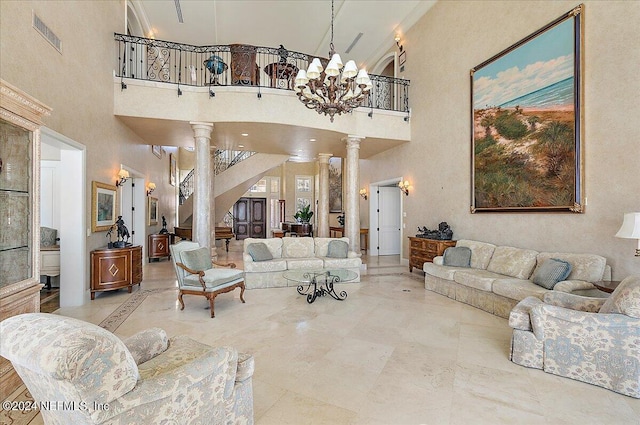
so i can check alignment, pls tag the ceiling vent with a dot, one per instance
(46, 32)
(353, 43)
(179, 11)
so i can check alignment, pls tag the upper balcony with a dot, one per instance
(161, 86)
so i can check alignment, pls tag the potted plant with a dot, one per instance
(304, 215)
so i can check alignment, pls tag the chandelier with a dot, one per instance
(334, 89)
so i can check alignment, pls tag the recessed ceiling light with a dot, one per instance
(245, 134)
(312, 140)
(241, 146)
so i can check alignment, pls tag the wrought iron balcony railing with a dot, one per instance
(234, 65)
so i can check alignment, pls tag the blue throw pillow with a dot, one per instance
(337, 249)
(259, 251)
(457, 256)
(550, 272)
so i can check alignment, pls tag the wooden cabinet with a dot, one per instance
(115, 268)
(158, 246)
(21, 118)
(423, 250)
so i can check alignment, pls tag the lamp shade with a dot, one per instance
(630, 228)
(123, 174)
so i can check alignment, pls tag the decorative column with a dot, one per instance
(323, 196)
(351, 194)
(202, 194)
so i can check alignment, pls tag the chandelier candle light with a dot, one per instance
(333, 90)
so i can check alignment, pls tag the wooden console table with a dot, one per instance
(158, 246)
(115, 268)
(422, 250)
(334, 230)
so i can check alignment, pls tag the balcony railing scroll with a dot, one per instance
(234, 65)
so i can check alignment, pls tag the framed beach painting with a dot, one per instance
(526, 137)
(103, 206)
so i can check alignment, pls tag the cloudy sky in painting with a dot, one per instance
(544, 60)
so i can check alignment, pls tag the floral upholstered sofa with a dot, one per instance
(498, 277)
(293, 254)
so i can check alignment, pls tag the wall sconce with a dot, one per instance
(123, 176)
(150, 188)
(404, 186)
(363, 193)
(397, 39)
(630, 228)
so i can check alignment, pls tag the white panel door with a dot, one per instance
(388, 221)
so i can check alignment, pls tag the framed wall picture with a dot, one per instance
(335, 185)
(172, 169)
(157, 150)
(103, 206)
(152, 211)
(303, 184)
(526, 123)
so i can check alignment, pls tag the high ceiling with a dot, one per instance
(300, 25)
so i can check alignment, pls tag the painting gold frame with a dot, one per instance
(104, 206)
(527, 123)
(152, 211)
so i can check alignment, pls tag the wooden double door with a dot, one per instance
(250, 218)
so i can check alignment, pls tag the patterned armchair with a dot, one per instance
(83, 374)
(593, 340)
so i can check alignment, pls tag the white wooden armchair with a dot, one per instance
(198, 276)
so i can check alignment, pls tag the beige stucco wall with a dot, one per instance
(78, 85)
(441, 49)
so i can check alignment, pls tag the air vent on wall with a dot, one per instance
(46, 32)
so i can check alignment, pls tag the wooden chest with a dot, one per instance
(422, 250)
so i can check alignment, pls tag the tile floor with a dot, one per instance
(391, 353)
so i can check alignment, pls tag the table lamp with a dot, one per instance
(630, 228)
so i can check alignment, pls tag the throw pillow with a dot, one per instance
(457, 256)
(625, 299)
(550, 272)
(259, 251)
(337, 249)
(48, 236)
(197, 259)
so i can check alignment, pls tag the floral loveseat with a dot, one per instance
(498, 277)
(290, 254)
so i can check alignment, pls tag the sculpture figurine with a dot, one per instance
(444, 232)
(123, 233)
(164, 226)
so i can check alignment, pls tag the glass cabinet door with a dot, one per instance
(16, 184)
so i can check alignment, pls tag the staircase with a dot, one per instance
(236, 172)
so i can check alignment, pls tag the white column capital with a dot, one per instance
(202, 129)
(323, 158)
(353, 141)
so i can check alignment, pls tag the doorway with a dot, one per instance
(64, 206)
(250, 218)
(385, 212)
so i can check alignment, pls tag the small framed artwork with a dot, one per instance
(403, 58)
(172, 169)
(103, 206)
(157, 150)
(152, 211)
(303, 184)
(335, 185)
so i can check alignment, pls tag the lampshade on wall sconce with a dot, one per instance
(630, 228)
(363, 193)
(404, 186)
(397, 39)
(150, 188)
(123, 176)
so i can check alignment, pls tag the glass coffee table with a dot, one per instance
(319, 282)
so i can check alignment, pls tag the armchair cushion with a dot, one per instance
(214, 278)
(458, 256)
(338, 249)
(197, 259)
(147, 344)
(259, 251)
(550, 272)
(625, 299)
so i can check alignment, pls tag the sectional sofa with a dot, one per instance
(498, 277)
(293, 253)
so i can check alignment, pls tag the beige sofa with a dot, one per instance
(293, 254)
(498, 277)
